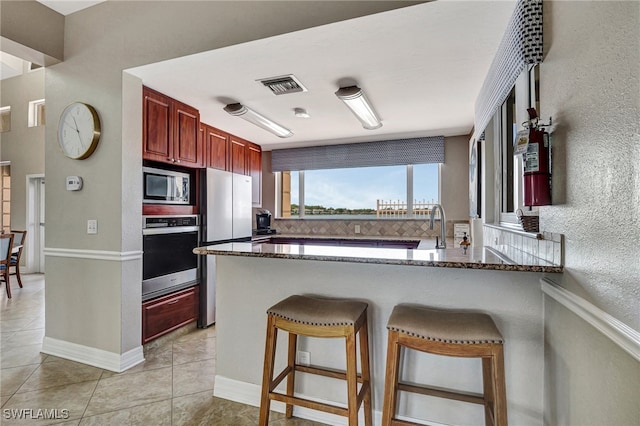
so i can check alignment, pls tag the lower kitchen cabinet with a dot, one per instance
(167, 313)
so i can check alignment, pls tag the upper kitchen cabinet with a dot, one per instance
(170, 130)
(254, 162)
(216, 147)
(238, 155)
(246, 158)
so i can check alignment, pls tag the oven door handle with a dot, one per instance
(170, 230)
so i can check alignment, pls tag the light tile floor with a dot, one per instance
(174, 386)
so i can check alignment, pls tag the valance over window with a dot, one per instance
(521, 45)
(366, 154)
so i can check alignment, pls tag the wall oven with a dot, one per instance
(168, 261)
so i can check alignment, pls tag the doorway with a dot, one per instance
(35, 224)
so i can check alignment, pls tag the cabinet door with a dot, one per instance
(156, 126)
(186, 121)
(216, 144)
(238, 155)
(167, 313)
(254, 163)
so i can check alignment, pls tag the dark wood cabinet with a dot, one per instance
(216, 147)
(254, 169)
(188, 151)
(173, 134)
(170, 130)
(238, 155)
(156, 126)
(167, 313)
(246, 159)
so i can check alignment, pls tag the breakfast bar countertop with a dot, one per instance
(425, 255)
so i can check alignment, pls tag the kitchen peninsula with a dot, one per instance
(252, 276)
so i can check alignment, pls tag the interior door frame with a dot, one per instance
(34, 253)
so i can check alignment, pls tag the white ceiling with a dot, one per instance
(421, 66)
(67, 7)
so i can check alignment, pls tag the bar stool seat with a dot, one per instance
(449, 333)
(318, 317)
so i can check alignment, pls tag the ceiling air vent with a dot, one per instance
(283, 85)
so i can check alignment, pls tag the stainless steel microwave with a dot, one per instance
(165, 186)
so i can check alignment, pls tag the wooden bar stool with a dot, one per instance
(449, 333)
(317, 317)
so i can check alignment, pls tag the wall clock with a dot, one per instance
(79, 130)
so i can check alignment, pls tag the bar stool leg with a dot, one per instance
(489, 395)
(352, 378)
(267, 375)
(499, 386)
(291, 377)
(366, 372)
(391, 379)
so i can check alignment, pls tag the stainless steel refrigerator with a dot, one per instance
(226, 217)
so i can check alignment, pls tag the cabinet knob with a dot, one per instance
(177, 161)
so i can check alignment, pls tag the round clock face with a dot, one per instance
(78, 130)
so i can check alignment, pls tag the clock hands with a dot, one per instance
(77, 130)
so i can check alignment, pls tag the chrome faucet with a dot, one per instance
(443, 223)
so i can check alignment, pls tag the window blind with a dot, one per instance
(382, 153)
(520, 45)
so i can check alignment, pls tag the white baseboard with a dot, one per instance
(92, 356)
(249, 393)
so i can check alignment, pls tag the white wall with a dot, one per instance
(590, 86)
(454, 178)
(23, 146)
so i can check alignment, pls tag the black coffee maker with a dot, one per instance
(263, 223)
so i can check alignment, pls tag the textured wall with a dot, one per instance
(590, 86)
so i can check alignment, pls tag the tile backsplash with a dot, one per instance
(525, 247)
(399, 228)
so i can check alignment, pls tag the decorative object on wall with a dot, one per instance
(258, 119)
(79, 130)
(367, 154)
(520, 46)
(355, 99)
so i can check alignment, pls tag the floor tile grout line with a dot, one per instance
(93, 392)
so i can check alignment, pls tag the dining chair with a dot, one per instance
(18, 244)
(6, 244)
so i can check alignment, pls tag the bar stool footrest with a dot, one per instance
(321, 371)
(307, 403)
(471, 397)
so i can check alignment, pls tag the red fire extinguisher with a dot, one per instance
(537, 173)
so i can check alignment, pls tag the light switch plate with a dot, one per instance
(92, 226)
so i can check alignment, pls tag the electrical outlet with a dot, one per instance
(357, 229)
(92, 226)
(304, 358)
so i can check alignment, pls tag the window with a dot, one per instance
(508, 120)
(361, 192)
(36, 113)
(5, 119)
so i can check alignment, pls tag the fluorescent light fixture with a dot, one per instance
(259, 120)
(354, 98)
